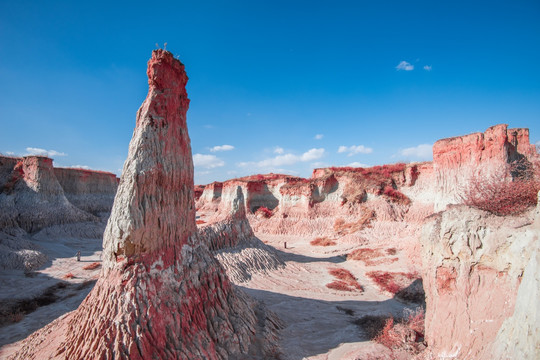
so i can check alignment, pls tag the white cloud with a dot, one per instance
(427, 67)
(208, 126)
(312, 154)
(10, 153)
(319, 136)
(422, 151)
(279, 150)
(355, 149)
(43, 152)
(222, 148)
(357, 164)
(286, 159)
(79, 167)
(207, 161)
(404, 65)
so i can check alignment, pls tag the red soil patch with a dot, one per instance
(69, 276)
(91, 266)
(322, 241)
(199, 222)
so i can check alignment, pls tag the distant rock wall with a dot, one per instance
(32, 198)
(89, 190)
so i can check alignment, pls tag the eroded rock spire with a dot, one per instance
(161, 294)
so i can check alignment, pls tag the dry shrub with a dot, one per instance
(371, 257)
(69, 276)
(264, 212)
(339, 285)
(396, 195)
(364, 254)
(391, 251)
(322, 241)
(402, 333)
(91, 266)
(343, 228)
(390, 281)
(345, 280)
(498, 194)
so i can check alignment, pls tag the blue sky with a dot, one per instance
(287, 85)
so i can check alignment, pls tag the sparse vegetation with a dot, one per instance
(346, 280)
(500, 195)
(91, 266)
(402, 333)
(372, 257)
(343, 228)
(395, 195)
(390, 281)
(264, 211)
(322, 241)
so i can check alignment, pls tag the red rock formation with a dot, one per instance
(456, 160)
(161, 295)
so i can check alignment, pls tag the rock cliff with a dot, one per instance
(89, 190)
(161, 294)
(456, 160)
(31, 196)
(474, 264)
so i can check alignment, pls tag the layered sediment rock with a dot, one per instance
(89, 190)
(161, 294)
(474, 264)
(457, 160)
(31, 196)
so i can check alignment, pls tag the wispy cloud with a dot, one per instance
(80, 167)
(279, 150)
(207, 161)
(222, 148)
(427, 67)
(286, 159)
(319, 136)
(355, 149)
(43, 152)
(357, 164)
(404, 65)
(420, 152)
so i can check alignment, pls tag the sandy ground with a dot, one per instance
(62, 261)
(318, 321)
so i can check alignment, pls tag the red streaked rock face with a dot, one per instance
(161, 294)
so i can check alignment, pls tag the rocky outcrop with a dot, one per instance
(32, 198)
(89, 190)
(230, 237)
(161, 294)
(473, 263)
(456, 160)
